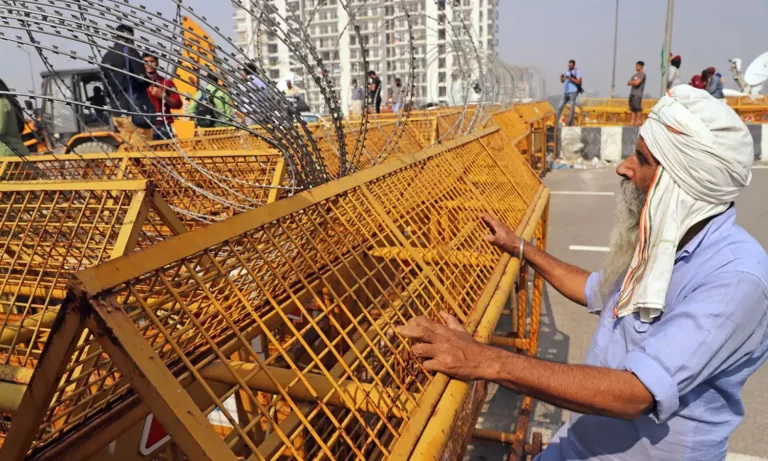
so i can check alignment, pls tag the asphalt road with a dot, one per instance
(581, 215)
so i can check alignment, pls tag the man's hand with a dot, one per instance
(501, 236)
(448, 349)
(157, 92)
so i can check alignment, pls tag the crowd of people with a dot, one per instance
(143, 100)
(395, 97)
(709, 79)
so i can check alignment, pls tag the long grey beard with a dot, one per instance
(624, 237)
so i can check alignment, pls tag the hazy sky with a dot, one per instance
(547, 33)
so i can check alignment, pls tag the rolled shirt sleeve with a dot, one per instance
(592, 293)
(716, 326)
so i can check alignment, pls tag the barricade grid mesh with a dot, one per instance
(284, 333)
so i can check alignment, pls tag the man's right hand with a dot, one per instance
(501, 236)
(156, 91)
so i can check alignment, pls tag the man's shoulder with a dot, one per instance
(109, 56)
(735, 250)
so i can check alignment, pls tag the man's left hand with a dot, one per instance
(448, 349)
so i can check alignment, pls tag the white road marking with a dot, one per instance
(589, 248)
(738, 457)
(566, 192)
(757, 167)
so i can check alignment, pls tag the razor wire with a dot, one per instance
(422, 44)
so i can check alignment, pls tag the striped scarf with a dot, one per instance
(706, 153)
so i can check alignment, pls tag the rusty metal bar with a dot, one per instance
(363, 395)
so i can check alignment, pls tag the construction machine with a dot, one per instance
(63, 127)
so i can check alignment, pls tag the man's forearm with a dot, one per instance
(583, 389)
(569, 280)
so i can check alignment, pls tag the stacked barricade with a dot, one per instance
(272, 333)
(530, 128)
(200, 186)
(615, 112)
(314, 289)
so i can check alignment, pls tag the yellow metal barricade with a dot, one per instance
(272, 333)
(200, 186)
(527, 127)
(48, 231)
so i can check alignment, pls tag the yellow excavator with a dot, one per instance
(73, 128)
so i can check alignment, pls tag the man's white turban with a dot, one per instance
(706, 154)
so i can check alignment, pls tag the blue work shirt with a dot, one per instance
(694, 359)
(570, 87)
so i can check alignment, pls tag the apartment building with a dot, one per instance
(450, 41)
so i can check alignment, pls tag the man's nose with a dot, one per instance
(624, 171)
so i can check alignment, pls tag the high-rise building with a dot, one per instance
(451, 40)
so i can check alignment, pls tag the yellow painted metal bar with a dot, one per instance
(277, 181)
(11, 395)
(149, 155)
(39, 292)
(132, 224)
(27, 328)
(435, 434)
(494, 436)
(366, 397)
(95, 281)
(336, 256)
(167, 215)
(14, 374)
(117, 185)
(434, 256)
(155, 383)
(42, 387)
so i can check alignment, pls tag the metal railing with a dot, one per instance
(612, 112)
(272, 333)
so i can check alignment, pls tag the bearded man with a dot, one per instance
(682, 300)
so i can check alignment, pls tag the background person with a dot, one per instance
(291, 90)
(637, 82)
(374, 88)
(98, 99)
(164, 97)
(356, 107)
(397, 95)
(715, 86)
(572, 79)
(11, 124)
(125, 76)
(212, 106)
(673, 76)
(701, 81)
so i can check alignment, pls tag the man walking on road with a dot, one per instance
(572, 80)
(637, 82)
(682, 300)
